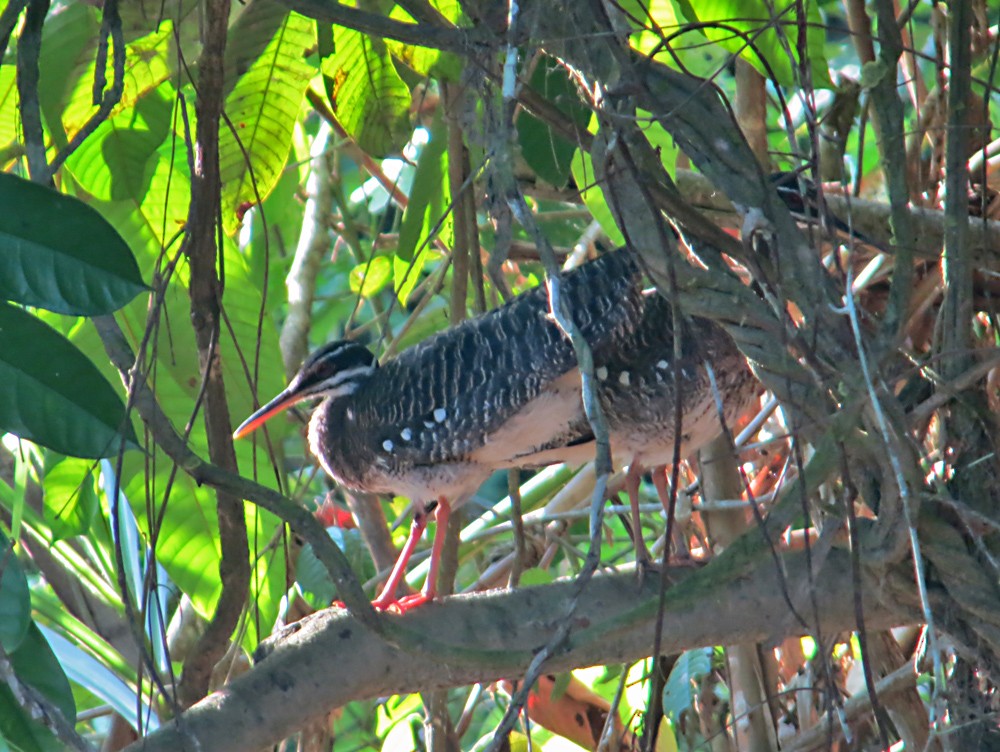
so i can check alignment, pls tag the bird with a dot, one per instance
(436, 421)
(638, 389)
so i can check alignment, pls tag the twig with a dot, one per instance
(29, 49)
(111, 28)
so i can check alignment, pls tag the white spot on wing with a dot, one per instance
(623, 378)
(662, 364)
(601, 373)
(406, 434)
(440, 414)
(387, 445)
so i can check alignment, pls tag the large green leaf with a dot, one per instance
(10, 146)
(52, 394)
(547, 153)
(748, 28)
(15, 601)
(428, 213)
(427, 61)
(119, 160)
(368, 95)
(263, 102)
(77, 265)
(70, 500)
(68, 53)
(71, 73)
(36, 664)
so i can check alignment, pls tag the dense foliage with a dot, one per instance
(193, 195)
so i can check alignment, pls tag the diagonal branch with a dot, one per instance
(167, 439)
(324, 661)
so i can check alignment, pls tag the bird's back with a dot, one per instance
(489, 388)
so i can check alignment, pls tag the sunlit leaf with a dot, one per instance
(118, 161)
(262, 103)
(69, 44)
(70, 499)
(71, 71)
(53, 394)
(367, 94)
(369, 278)
(10, 120)
(593, 197)
(427, 61)
(765, 34)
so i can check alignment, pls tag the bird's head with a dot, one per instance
(334, 370)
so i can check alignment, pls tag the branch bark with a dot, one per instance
(326, 661)
(206, 292)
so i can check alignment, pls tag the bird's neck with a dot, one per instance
(327, 431)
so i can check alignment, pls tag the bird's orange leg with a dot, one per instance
(387, 598)
(400, 605)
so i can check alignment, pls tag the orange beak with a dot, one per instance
(279, 404)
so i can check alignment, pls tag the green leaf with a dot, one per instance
(262, 104)
(593, 196)
(748, 28)
(313, 577)
(536, 576)
(69, 54)
(427, 61)
(66, 68)
(678, 693)
(35, 664)
(369, 278)
(70, 499)
(547, 153)
(19, 731)
(53, 395)
(15, 600)
(78, 265)
(10, 121)
(367, 94)
(119, 160)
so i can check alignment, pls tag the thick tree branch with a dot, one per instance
(325, 661)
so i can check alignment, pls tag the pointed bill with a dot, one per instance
(279, 404)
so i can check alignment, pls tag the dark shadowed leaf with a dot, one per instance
(36, 664)
(59, 254)
(15, 602)
(52, 393)
(550, 155)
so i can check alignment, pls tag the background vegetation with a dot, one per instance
(194, 194)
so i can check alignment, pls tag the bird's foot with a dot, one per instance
(394, 605)
(645, 566)
(401, 605)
